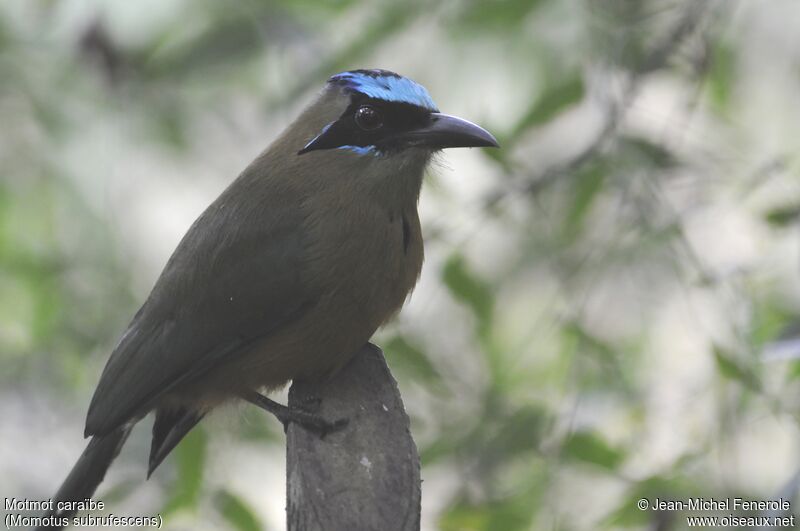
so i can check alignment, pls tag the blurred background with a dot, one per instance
(610, 305)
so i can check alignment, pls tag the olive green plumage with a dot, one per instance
(287, 274)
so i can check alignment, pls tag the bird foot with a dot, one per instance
(299, 416)
(311, 422)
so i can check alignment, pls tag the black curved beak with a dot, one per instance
(445, 131)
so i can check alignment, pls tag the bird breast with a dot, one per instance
(366, 255)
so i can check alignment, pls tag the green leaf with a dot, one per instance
(236, 512)
(587, 185)
(409, 359)
(190, 456)
(500, 439)
(470, 290)
(601, 361)
(555, 98)
(227, 39)
(520, 432)
(771, 321)
(444, 445)
(482, 15)
(783, 216)
(170, 126)
(721, 75)
(590, 447)
(322, 10)
(254, 426)
(513, 512)
(467, 288)
(589, 342)
(658, 155)
(734, 370)
(389, 21)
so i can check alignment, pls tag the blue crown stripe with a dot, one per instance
(388, 86)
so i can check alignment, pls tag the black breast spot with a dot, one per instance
(406, 234)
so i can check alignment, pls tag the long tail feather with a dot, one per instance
(87, 473)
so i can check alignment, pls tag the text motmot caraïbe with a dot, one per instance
(286, 275)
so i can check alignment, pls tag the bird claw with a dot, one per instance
(313, 423)
(310, 403)
(310, 420)
(298, 415)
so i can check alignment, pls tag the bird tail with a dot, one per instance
(86, 475)
(169, 428)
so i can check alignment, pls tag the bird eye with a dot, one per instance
(368, 118)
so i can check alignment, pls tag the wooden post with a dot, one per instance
(365, 476)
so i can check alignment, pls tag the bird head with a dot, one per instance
(380, 113)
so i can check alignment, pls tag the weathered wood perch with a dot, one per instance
(364, 477)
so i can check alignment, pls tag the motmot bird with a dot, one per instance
(286, 275)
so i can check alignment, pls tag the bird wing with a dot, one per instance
(237, 276)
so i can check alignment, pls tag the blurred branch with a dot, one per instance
(96, 46)
(656, 59)
(389, 21)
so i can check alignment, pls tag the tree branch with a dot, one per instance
(365, 476)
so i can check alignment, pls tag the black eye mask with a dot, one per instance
(370, 122)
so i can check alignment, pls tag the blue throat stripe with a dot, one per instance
(361, 150)
(385, 85)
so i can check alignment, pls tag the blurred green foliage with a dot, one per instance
(608, 350)
(236, 512)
